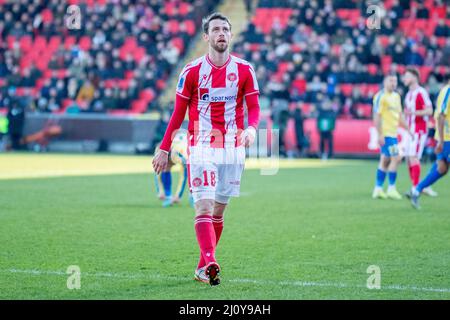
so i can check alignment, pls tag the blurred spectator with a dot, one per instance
(325, 125)
(299, 129)
(16, 122)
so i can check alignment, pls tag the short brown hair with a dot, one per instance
(213, 16)
(414, 72)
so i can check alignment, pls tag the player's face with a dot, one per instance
(408, 79)
(219, 35)
(390, 83)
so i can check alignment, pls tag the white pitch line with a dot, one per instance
(294, 283)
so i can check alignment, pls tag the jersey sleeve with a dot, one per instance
(185, 83)
(443, 108)
(251, 84)
(378, 103)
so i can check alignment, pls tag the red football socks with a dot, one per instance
(206, 237)
(217, 223)
(414, 173)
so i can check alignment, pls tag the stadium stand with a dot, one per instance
(306, 51)
(121, 59)
(118, 61)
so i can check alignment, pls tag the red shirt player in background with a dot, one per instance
(213, 88)
(418, 108)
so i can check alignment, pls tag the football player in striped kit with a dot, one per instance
(212, 89)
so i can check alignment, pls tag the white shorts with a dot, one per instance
(415, 145)
(215, 171)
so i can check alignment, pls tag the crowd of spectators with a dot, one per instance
(313, 52)
(118, 58)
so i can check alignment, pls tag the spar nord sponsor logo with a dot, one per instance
(217, 94)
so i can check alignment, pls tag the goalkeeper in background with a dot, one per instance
(163, 181)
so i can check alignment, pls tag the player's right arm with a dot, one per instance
(443, 111)
(182, 99)
(377, 119)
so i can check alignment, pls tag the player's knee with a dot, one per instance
(442, 167)
(384, 163)
(204, 206)
(413, 161)
(221, 199)
(219, 209)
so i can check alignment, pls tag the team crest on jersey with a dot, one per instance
(180, 83)
(232, 77)
(203, 94)
(197, 182)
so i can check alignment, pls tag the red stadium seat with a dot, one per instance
(178, 43)
(424, 73)
(184, 8)
(110, 83)
(147, 95)
(54, 42)
(441, 41)
(174, 26)
(372, 89)
(160, 84)
(25, 43)
(85, 43)
(336, 49)
(388, 4)
(384, 40)
(123, 84)
(386, 62)
(342, 13)
(442, 70)
(422, 50)
(129, 74)
(40, 43)
(346, 89)
(69, 42)
(130, 43)
(10, 41)
(438, 12)
(169, 8)
(372, 69)
(47, 15)
(190, 27)
(306, 109)
(401, 68)
(138, 106)
(255, 46)
(295, 48)
(139, 53)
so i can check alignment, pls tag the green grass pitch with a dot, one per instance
(304, 233)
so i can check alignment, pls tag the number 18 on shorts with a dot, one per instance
(215, 171)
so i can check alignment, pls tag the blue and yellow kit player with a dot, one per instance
(440, 167)
(388, 116)
(177, 160)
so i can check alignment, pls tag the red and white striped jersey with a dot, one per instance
(416, 100)
(216, 99)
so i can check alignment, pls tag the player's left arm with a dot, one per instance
(251, 94)
(443, 111)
